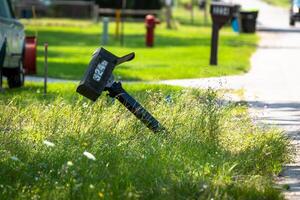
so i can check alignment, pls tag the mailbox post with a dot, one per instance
(221, 14)
(99, 78)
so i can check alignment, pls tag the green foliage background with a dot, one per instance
(137, 4)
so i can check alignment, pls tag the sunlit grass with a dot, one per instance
(178, 53)
(62, 146)
(283, 3)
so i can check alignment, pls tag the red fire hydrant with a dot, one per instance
(150, 22)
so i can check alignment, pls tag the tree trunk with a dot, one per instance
(169, 16)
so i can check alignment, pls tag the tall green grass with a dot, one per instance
(212, 151)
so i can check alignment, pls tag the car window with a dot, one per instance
(4, 9)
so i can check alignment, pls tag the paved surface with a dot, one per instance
(50, 80)
(273, 84)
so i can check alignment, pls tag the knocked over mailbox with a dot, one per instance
(221, 13)
(99, 78)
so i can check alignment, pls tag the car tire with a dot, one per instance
(16, 80)
(292, 22)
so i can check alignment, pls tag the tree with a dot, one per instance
(169, 14)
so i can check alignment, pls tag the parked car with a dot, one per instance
(2, 51)
(12, 36)
(294, 12)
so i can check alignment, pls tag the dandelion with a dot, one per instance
(85, 144)
(101, 195)
(14, 158)
(70, 163)
(48, 144)
(89, 155)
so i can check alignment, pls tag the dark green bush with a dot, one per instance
(132, 4)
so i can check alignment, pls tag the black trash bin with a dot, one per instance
(248, 21)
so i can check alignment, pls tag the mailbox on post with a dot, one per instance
(221, 13)
(98, 78)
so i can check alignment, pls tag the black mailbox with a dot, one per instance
(98, 78)
(221, 13)
(99, 73)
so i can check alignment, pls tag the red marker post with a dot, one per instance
(30, 55)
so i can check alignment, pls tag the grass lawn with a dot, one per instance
(212, 151)
(180, 53)
(284, 3)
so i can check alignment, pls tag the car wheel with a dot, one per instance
(292, 22)
(16, 80)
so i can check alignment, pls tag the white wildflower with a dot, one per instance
(14, 158)
(70, 163)
(85, 105)
(48, 144)
(92, 186)
(89, 155)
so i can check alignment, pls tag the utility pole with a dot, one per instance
(123, 22)
(169, 13)
(192, 11)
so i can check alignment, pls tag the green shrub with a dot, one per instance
(132, 4)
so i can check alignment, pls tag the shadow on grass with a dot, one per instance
(35, 92)
(61, 38)
(75, 71)
(196, 23)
